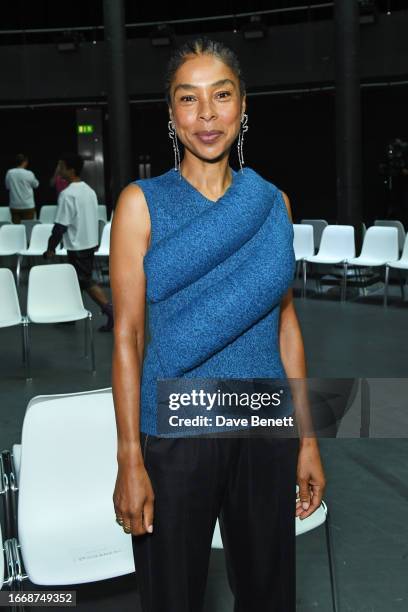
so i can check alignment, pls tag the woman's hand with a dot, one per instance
(310, 478)
(133, 499)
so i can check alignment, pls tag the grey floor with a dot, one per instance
(367, 490)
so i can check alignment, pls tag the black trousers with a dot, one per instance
(250, 484)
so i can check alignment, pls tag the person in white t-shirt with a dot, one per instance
(21, 182)
(76, 223)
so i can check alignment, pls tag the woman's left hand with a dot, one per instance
(310, 478)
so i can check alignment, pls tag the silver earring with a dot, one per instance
(243, 129)
(173, 136)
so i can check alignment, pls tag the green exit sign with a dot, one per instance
(86, 128)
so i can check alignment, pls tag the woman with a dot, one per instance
(206, 321)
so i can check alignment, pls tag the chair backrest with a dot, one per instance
(12, 238)
(47, 213)
(70, 441)
(303, 241)
(5, 214)
(318, 227)
(10, 313)
(380, 243)
(29, 224)
(101, 225)
(102, 213)
(39, 236)
(105, 239)
(53, 289)
(338, 241)
(398, 225)
(404, 254)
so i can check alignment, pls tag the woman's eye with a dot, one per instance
(221, 94)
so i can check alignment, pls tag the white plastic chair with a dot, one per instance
(5, 214)
(104, 247)
(40, 234)
(10, 312)
(29, 224)
(47, 213)
(400, 228)
(102, 213)
(66, 469)
(54, 296)
(103, 250)
(400, 264)
(318, 226)
(317, 518)
(13, 239)
(380, 246)
(336, 247)
(303, 244)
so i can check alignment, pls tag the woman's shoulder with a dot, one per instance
(154, 181)
(253, 175)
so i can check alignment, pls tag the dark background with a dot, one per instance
(290, 104)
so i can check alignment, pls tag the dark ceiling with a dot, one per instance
(26, 14)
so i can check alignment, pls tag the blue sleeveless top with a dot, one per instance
(215, 275)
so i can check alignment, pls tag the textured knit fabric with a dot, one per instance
(215, 275)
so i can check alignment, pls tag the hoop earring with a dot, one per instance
(243, 129)
(173, 136)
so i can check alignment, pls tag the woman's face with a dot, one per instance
(205, 98)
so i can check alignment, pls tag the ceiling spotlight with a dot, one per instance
(255, 29)
(162, 36)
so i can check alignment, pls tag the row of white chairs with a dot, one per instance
(54, 296)
(337, 247)
(320, 224)
(48, 212)
(13, 241)
(80, 481)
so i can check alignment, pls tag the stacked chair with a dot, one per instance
(91, 546)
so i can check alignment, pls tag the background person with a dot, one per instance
(21, 182)
(76, 222)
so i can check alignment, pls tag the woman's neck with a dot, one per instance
(212, 180)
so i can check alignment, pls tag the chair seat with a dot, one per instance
(324, 260)
(366, 261)
(11, 321)
(5, 252)
(33, 252)
(316, 519)
(401, 265)
(51, 318)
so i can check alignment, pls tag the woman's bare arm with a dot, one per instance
(310, 469)
(130, 235)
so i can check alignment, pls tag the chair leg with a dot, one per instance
(86, 339)
(304, 264)
(386, 276)
(344, 283)
(401, 281)
(27, 349)
(329, 544)
(18, 269)
(92, 346)
(23, 342)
